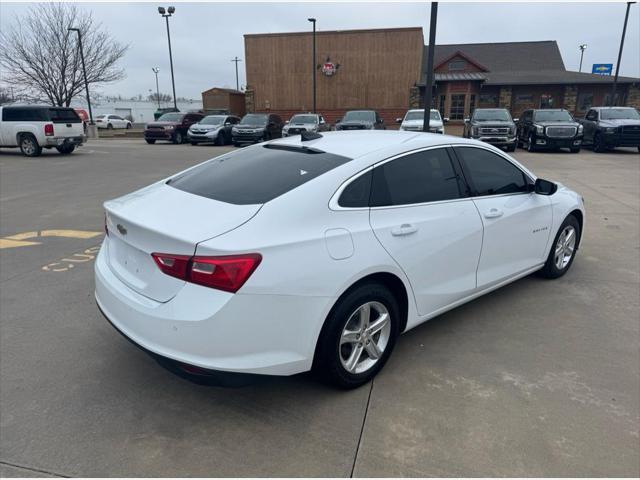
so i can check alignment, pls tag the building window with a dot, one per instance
(472, 104)
(524, 98)
(456, 109)
(546, 101)
(585, 101)
(616, 99)
(443, 99)
(457, 65)
(489, 98)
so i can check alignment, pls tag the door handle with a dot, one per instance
(493, 213)
(404, 229)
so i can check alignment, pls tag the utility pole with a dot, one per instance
(612, 100)
(313, 62)
(582, 48)
(170, 11)
(428, 91)
(236, 60)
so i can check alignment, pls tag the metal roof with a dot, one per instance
(448, 77)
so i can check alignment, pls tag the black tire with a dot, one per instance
(178, 138)
(236, 144)
(638, 149)
(66, 149)
(551, 269)
(150, 141)
(29, 145)
(575, 150)
(511, 148)
(531, 146)
(194, 143)
(128, 126)
(220, 139)
(109, 126)
(327, 360)
(598, 144)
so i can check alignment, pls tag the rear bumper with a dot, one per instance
(59, 141)
(214, 330)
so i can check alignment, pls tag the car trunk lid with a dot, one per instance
(163, 219)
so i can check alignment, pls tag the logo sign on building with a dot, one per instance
(602, 68)
(329, 68)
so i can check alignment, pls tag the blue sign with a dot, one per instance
(602, 68)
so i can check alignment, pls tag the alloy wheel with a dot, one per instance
(365, 337)
(565, 246)
(28, 146)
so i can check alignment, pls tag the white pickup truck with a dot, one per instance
(34, 127)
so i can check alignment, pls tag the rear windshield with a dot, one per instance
(64, 115)
(255, 175)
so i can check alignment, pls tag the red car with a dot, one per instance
(171, 126)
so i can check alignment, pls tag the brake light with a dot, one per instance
(48, 130)
(172, 265)
(226, 273)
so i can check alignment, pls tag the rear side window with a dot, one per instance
(255, 175)
(64, 115)
(23, 114)
(357, 193)
(420, 177)
(490, 173)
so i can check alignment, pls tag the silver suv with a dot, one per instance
(304, 122)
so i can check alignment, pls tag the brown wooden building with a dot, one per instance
(224, 99)
(383, 70)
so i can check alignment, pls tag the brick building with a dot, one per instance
(383, 69)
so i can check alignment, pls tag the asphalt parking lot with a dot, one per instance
(541, 378)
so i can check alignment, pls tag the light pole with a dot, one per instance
(313, 62)
(166, 14)
(428, 91)
(582, 48)
(612, 100)
(84, 71)
(236, 60)
(156, 70)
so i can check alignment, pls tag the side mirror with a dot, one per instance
(226, 124)
(445, 120)
(286, 122)
(322, 122)
(515, 120)
(398, 120)
(544, 187)
(339, 120)
(467, 120)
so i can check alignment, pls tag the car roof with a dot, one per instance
(356, 144)
(421, 110)
(608, 108)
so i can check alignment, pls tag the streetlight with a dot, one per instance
(313, 62)
(582, 48)
(84, 71)
(612, 100)
(166, 14)
(428, 90)
(156, 70)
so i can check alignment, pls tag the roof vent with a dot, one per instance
(307, 136)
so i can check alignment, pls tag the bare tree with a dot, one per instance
(40, 57)
(164, 97)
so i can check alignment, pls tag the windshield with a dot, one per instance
(553, 116)
(492, 115)
(254, 119)
(254, 176)
(620, 114)
(212, 120)
(171, 117)
(304, 119)
(357, 116)
(419, 115)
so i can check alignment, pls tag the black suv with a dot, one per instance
(361, 120)
(547, 129)
(609, 127)
(257, 127)
(492, 125)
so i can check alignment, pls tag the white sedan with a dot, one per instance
(316, 252)
(112, 121)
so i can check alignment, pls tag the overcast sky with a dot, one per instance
(206, 36)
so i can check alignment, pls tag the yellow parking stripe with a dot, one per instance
(4, 243)
(69, 233)
(22, 236)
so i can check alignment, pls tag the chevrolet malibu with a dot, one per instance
(316, 252)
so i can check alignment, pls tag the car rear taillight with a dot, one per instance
(226, 273)
(48, 130)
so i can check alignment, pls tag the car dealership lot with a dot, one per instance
(539, 378)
